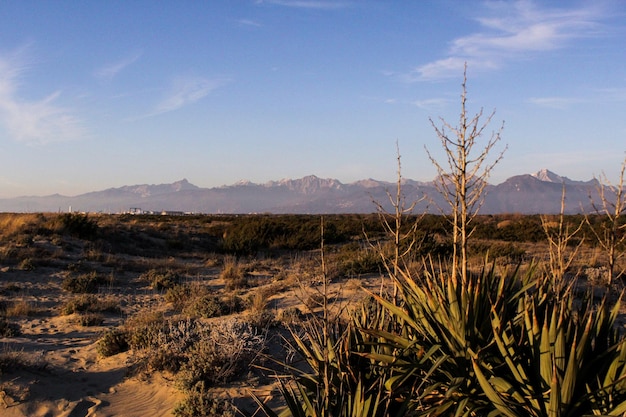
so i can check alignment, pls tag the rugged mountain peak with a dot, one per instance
(369, 183)
(307, 185)
(183, 185)
(548, 176)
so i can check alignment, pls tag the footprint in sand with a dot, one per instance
(85, 407)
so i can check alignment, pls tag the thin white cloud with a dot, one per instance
(431, 103)
(32, 122)
(510, 30)
(307, 4)
(187, 90)
(555, 102)
(249, 22)
(109, 71)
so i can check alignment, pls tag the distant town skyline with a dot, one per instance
(96, 95)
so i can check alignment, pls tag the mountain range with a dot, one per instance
(538, 193)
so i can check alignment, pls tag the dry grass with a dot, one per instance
(22, 308)
(12, 224)
(233, 274)
(12, 360)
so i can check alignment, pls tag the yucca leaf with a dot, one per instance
(545, 356)
(569, 378)
(491, 393)
(396, 311)
(554, 397)
(618, 410)
(395, 340)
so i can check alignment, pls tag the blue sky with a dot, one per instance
(100, 94)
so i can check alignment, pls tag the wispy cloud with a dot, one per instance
(431, 103)
(308, 4)
(187, 90)
(110, 70)
(32, 122)
(510, 30)
(249, 22)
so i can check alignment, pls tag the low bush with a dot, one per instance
(88, 319)
(145, 330)
(206, 306)
(79, 225)
(90, 303)
(21, 308)
(112, 342)
(224, 351)
(179, 296)
(161, 279)
(85, 283)
(233, 274)
(12, 360)
(353, 260)
(201, 403)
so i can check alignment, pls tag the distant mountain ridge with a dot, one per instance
(525, 194)
(549, 176)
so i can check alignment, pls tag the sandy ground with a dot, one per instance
(68, 377)
(75, 381)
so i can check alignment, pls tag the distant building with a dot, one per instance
(172, 213)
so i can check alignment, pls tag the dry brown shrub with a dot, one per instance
(22, 308)
(12, 224)
(88, 319)
(224, 351)
(12, 360)
(233, 274)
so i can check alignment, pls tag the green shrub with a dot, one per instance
(145, 330)
(206, 306)
(179, 296)
(89, 319)
(79, 225)
(90, 303)
(251, 234)
(200, 403)
(112, 342)
(354, 260)
(161, 280)
(84, 283)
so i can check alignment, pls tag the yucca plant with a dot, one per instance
(448, 319)
(555, 359)
(333, 381)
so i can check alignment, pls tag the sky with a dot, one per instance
(102, 94)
